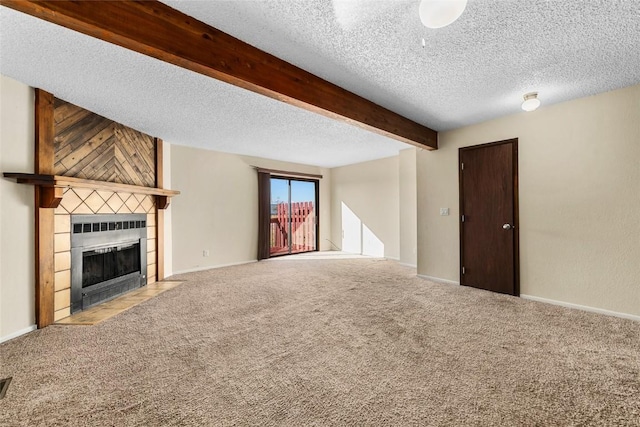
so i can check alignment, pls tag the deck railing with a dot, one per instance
(303, 228)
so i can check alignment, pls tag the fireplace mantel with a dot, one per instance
(55, 185)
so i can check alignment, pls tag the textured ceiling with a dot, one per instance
(474, 70)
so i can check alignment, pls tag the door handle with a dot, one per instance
(508, 226)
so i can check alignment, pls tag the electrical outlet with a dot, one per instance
(444, 211)
(205, 253)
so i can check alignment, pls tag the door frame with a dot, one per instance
(317, 207)
(516, 209)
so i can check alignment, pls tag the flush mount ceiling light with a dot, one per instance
(531, 101)
(440, 13)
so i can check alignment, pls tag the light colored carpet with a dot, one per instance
(322, 255)
(354, 342)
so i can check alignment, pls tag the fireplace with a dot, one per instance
(108, 257)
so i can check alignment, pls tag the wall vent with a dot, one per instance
(4, 385)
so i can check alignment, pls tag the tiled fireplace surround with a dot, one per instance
(81, 201)
(86, 164)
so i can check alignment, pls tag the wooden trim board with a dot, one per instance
(160, 211)
(67, 181)
(288, 173)
(44, 216)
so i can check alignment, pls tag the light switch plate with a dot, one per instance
(444, 211)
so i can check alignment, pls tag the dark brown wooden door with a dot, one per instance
(489, 216)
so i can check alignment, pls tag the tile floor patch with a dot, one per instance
(116, 306)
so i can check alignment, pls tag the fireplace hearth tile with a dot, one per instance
(118, 305)
(131, 299)
(152, 293)
(123, 303)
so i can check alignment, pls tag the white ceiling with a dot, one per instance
(474, 70)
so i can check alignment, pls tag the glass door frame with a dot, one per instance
(317, 210)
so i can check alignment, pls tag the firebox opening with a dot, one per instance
(100, 265)
(108, 257)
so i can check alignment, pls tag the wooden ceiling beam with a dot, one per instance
(154, 29)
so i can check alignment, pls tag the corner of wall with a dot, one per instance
(17, 275)
(325, 211)
(408, 207)
(365, 199)
(168, 236)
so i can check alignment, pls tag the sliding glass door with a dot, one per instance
(303, 216)
(279, 217)
(294, 225)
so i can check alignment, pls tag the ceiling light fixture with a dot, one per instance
(531, 101)
(440, 13)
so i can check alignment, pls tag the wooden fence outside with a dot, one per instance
(303, 228)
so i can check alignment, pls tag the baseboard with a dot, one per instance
(16, 334)
(211, 267)
(406, 264)
(582, 307)
(438, 280)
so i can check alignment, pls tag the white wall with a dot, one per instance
(2, 83)
(367, 195)
(217, 210)
(17, 276)
(374, 207)
(168, 232)
(579, 171)
(408, 207)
